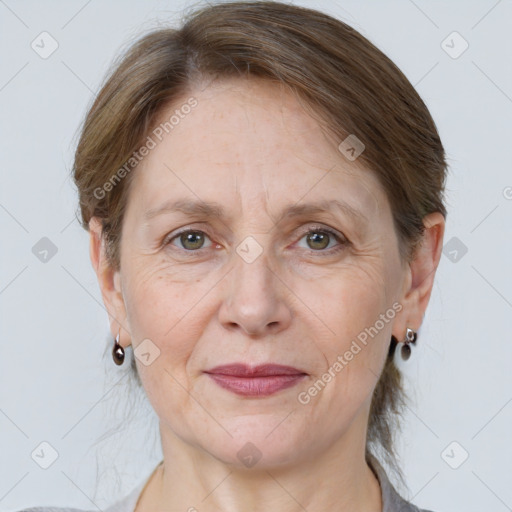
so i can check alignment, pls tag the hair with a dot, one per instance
(340, 76)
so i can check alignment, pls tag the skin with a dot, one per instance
(250, 146)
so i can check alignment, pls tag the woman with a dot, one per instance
(263, 191)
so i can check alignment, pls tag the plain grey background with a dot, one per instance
(56, 387)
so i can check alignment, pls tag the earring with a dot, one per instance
(118, 351)
(410, 337)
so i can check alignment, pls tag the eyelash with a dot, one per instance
(342, 241)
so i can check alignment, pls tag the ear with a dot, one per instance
(420, 276)
(109, 281)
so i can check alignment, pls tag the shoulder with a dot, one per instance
(53, 509)
(391, 499)
(120, 506)
(400, 505)
(126, 504)
(117, 507)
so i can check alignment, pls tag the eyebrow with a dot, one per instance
(216, 210)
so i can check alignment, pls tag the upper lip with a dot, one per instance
(245, 370)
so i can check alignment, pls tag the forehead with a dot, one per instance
(251, 137)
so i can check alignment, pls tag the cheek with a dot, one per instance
(163, 312)
(153, 311)
(168, 308)
(158, 295)
(350, 333)
(353, 354)
(345, 300)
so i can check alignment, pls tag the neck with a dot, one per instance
(190, 479)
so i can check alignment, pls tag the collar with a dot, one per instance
(391, 500)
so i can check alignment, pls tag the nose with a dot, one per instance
(255, 301)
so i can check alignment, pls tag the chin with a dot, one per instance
(259, 443)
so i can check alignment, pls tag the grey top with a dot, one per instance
(391, 500)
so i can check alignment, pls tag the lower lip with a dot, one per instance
(256, 386)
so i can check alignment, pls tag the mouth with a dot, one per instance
(257, 381)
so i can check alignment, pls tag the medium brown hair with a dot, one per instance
(344, 80)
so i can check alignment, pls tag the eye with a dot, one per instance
(319, 239)
(190, 240)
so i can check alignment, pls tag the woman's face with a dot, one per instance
(250, 285)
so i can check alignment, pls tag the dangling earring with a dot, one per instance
(410, 337)
(118, 351)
